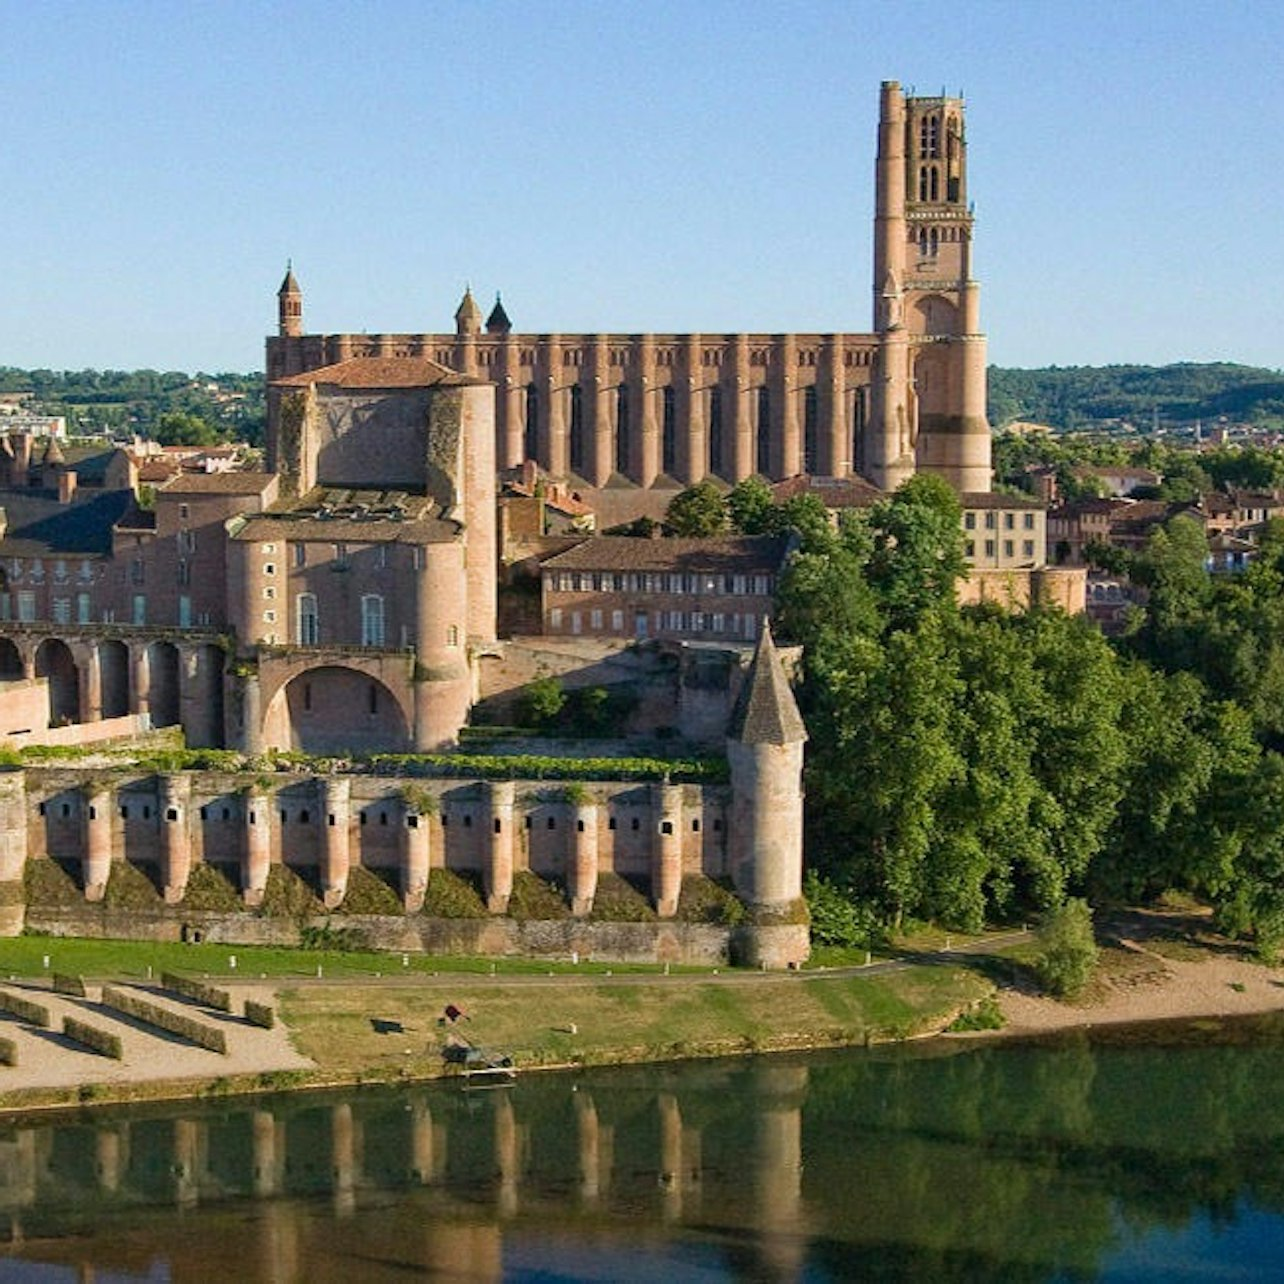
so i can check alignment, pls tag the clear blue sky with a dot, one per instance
(658, 165)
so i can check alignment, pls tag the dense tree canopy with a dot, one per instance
(977, 764)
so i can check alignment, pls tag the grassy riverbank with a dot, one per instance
(383, 1030)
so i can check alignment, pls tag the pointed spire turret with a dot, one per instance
(468, 316)
(53, 456)
(766, 711)
(289, 304)
(498, 322)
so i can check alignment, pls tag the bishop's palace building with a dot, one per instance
(340, 599)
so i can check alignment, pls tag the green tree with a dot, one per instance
(1068, 951)
(699, 510)
(180, 429)
(917, 556)
(752, 507)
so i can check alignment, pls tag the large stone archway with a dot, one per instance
(10, 661)
(336, 709)
(164, 693)
(54, 662)
(113, 663)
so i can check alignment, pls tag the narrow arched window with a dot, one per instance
(372, 620)
(763, 453)
(530, 429)
(669, 433)
(623, 444)
(811, 431)
(308, 627)
(717, 463)
(577, 429)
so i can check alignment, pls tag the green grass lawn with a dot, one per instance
(626, 1019)
(24, 956)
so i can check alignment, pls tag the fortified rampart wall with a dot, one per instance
(653, 834)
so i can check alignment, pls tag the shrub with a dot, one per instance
(204, 1036)
(450, 896)
(542, 702)
(65, 984)
(103, 1042)
(704, 901)
(325, 936)
(8, 1052)
(1068, 950)
(836, 918)
(210, 995)
(985, 1015)
(25, 1009)
(533, 898)
(260, 1014)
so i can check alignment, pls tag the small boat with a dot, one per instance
(470, 1060)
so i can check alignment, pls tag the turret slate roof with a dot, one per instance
(498, 322)
(766, 712)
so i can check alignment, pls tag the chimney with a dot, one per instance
(66, 485)
(21, 457)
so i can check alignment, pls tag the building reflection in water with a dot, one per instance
(433, 1179)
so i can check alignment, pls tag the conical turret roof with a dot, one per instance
(53, 453)
(289, 285)
(468, 315)
(766, 712)
(498, 322)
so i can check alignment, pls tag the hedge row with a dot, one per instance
(64, 983)
(36, 1013)
(101, 1041)
(8, 1052)
(204, 1036)
(210, 995)
(261, 1014)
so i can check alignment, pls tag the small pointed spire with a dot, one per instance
(498, 322)
(468, 316)
(53, 453)
(766, 711)
(289, 285)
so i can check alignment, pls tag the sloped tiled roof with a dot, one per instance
(833, 492)
(224, 483)
(38, 524)
(766, 712)
(740, 554)
(377, 372)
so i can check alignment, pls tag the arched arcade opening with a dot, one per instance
(54, 662)
(333, 709)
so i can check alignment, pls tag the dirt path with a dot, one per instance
(47, 1059)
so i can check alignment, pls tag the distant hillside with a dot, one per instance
(136, 400)
(1067, 396)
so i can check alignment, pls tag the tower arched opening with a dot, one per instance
(163, 693)
(54, 662)
(332, 709)
(113, 665)
(10, 661)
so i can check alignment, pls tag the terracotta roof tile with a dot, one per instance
(740, 554)
(378, 372)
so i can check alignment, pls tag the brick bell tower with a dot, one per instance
(928, 390)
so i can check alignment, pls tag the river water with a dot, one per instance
(1151, 1154)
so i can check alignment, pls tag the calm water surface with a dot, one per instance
(1155, 1156)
